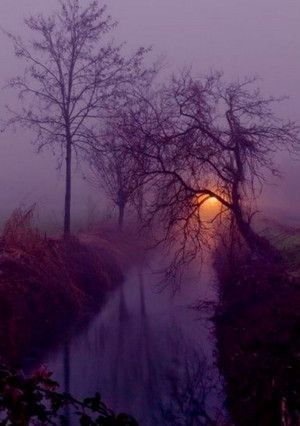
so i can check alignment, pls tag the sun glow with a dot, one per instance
(212, 201)
(209, 207)
(207, 201)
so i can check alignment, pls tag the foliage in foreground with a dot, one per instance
(36, 400)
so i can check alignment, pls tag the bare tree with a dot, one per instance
(117, 164)
(72, 73)
(115, 171)
(205, 139)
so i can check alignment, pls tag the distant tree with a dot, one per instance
(115, 171)
(116, 163)
(203, 140)
(72, 73)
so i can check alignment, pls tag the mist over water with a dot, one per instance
(142, 346)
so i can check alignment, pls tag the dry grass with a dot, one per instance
(47, 283)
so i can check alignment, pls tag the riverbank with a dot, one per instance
(258, 334)
(48, 285)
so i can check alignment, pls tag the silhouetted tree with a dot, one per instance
(73, 71)
(117, 163)
(115, 170)
(205, 139)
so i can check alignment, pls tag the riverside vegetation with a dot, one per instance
(47, 287)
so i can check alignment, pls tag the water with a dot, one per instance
(147, 353)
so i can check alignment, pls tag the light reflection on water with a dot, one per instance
(147, 354)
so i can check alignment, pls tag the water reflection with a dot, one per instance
(187, 391)
(147, 355)
(66, 379)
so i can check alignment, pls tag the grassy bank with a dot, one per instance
(258, 335)
(287, 240)
(47, 285)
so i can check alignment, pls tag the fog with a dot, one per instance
(172, 335)
(238, 37)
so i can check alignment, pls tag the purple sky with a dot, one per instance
(239, 37)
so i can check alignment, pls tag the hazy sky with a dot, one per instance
(239, 37)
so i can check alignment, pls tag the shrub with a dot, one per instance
(36, 400)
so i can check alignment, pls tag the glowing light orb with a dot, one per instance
(212, 201)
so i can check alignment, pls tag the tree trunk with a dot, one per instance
(67, 370)
(142, 290)
(255, 242)
(67, 212)
(140, 207)
(121, 215)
